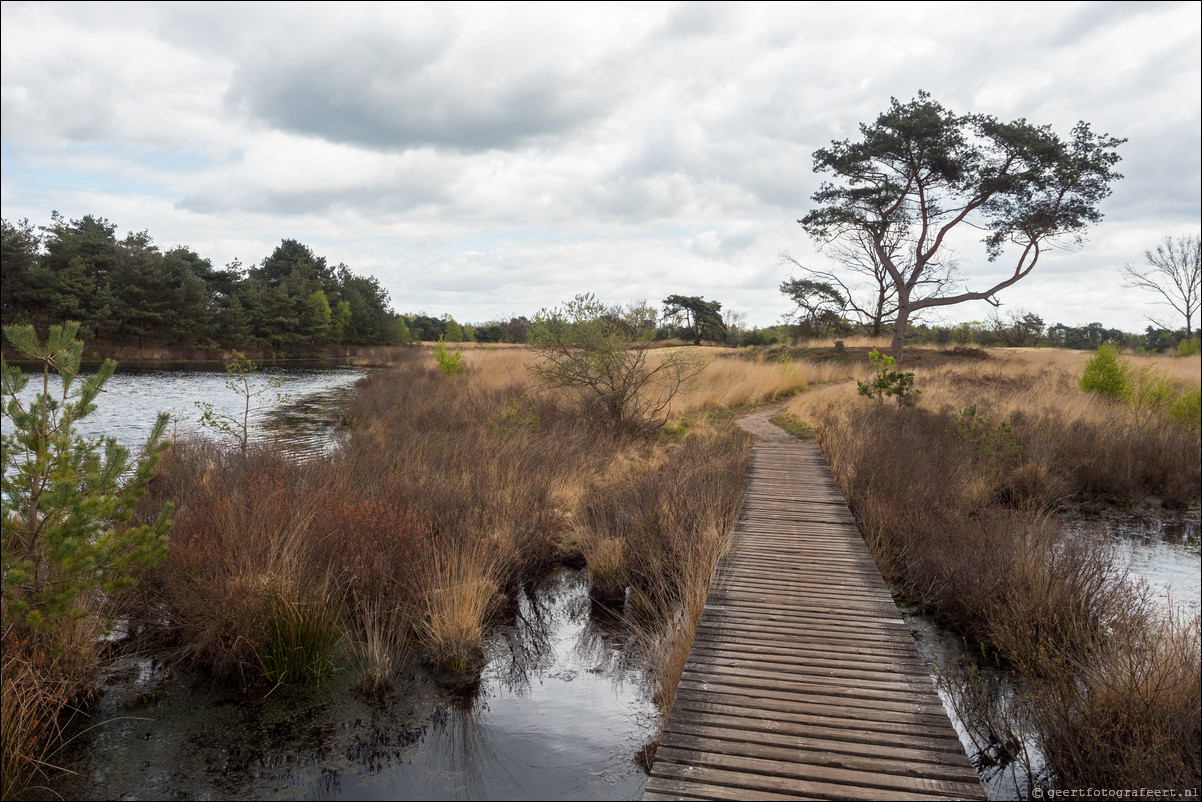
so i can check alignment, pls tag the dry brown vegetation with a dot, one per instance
(957, 499)
(450, 493)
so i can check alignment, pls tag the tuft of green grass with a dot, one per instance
(301, 637)
(802, 431)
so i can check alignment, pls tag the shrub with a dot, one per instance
(450, 363)
(1186, 409)
(1189, 347)
(1149, 394)
(588, 348)
(886, 382)
(1107, 373)
(990, 439)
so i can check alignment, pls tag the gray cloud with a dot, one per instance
(386, 90)
(506, 157)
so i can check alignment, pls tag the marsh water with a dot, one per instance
(562, 708)
(297, 405)
(1159, 550)
(560, 713)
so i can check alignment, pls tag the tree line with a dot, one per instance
(130, 291)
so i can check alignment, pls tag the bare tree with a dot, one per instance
(1020, 329)
(1173, 271)
(867, 288)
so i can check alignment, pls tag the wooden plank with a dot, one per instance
(683, 789)
(693, 710)
(819, 752)
(838, 782)
(738, 778)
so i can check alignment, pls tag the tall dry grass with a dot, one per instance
(31, 702)
(957, 499)
(450, 494)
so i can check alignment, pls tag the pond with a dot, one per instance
(560, 713)
(296, 404)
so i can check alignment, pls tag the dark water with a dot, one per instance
(560, 714)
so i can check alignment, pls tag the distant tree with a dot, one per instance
(400, 331)
(291, 258)
(424, 327)
(1020, 329)
(516, 329)
(489, 332)
(819, 305)
(318, 318)
(695, 317)
(340, 321)
(369, 308)
(453, 331)
(20, 246)
(1084, 338)
(920, 171)
(192, 290)
(641, 317)
(1173, 271)
(736, 324)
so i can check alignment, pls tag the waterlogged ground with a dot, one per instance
(560, 714)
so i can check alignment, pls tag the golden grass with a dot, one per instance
(1011, 380)
(727, 382)
(377, 638)
(31, 701)
(456, 606)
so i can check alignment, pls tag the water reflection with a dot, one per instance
(1164, 551)
(559, 714)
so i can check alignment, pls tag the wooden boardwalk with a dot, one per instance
(803, 681)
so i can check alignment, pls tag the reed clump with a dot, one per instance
(957, 499)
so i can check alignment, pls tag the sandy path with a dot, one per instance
(756, 423)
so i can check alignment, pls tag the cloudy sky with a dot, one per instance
(488, 160)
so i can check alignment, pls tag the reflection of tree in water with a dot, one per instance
(553, 612)
(466, 763)
(326, 787)
(555, 634)
(988, 704)
(383, 739)
(607, 643)
(524, 649)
